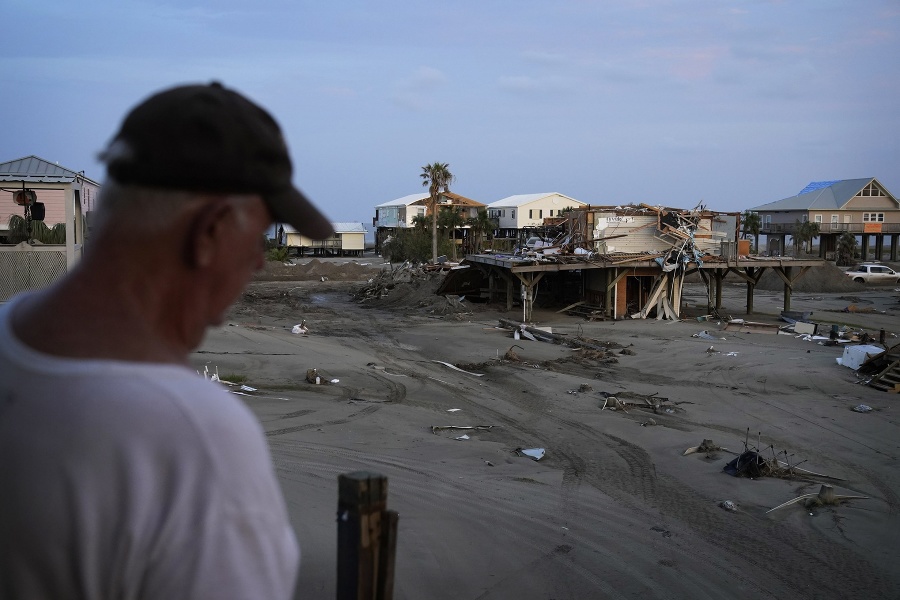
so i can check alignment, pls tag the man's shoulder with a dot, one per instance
(192, 400)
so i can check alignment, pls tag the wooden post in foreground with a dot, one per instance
(367, 538)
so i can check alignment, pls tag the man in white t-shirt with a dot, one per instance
(123, 474)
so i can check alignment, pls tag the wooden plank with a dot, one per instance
(366, 538)
(571, 306)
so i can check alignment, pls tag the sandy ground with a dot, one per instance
(613, 510)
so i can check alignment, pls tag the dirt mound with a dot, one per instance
(315, 270)
(825, 279)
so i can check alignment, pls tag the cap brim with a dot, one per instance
(295, 209)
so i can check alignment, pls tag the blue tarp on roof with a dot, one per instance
(818, 185)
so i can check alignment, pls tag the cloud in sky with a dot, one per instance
(653, 100)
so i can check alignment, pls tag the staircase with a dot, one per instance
(888, 380)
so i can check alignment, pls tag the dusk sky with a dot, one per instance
(729, 103)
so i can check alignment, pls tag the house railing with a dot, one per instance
(857, 228)
(25, 267)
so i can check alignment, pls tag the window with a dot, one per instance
(873, 217)
(871, 190)
(512, 214)
(768, 220)
(805, 218)
(834, 219)
(818, 219)
(551, 212)
(541, 214)
(530, 214)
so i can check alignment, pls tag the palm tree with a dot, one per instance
(480, 224)
(449, 219)
(846, 249)
(804, 233)
(437, 178)
(420, 221)
(751, 224)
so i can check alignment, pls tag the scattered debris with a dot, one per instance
(300, 328)
(825, 497)
(542, 335)
(862, 408)
(648, 423)
(706, 335)
(453, 409)
(728, 505)
(535, 453)
(462, 437)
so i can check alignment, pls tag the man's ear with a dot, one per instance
(206, 233)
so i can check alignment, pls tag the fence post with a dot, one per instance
(367, 538)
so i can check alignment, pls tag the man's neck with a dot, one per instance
(102, 315)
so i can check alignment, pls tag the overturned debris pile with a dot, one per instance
(409, 286)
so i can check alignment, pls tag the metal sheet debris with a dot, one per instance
(455, 368)
(824, 497)
(436, 428)
(855, 356)
(535, 453)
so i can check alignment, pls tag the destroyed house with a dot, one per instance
(631, 261)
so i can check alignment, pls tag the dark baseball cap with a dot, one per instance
(206, 138)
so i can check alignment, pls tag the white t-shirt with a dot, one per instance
(128, 480)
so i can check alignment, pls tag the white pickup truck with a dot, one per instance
(868, 273)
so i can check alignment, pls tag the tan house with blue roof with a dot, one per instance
(863, 207)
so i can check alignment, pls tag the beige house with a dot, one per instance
(349, 239)
(863, 207)
(514, 214)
